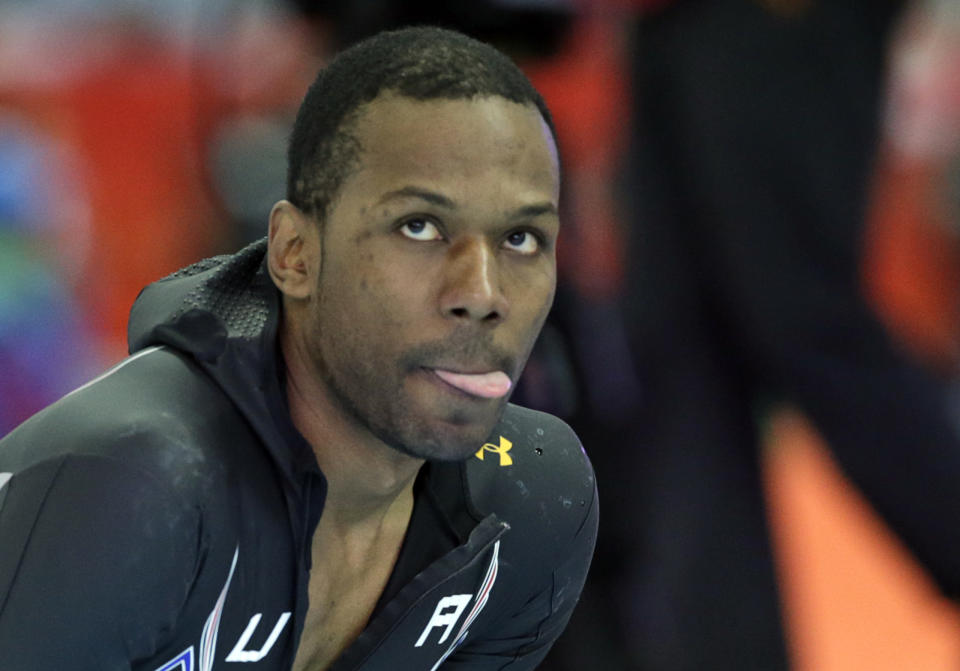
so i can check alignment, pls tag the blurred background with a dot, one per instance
(757, 330)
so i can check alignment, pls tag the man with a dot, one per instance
(309, 462)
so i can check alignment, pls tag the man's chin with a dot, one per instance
(451, 439)
(447, 444)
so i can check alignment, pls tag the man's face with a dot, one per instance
(437, 269)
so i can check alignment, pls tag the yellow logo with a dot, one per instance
(501, 449)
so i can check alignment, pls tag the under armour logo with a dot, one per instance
(501, 449)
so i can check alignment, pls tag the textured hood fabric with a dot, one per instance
(224, 312)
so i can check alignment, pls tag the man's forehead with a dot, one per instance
(480, 129)
(457, 110)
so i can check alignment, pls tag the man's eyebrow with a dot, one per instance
(524, 212)
(533, 211)
(416, 192)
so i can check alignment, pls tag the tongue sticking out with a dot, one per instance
(484, 385)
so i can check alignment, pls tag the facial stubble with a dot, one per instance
(372, 392)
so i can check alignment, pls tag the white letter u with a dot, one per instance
(240, 654)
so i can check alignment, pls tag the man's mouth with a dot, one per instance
(493, 384)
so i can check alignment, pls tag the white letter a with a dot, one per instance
(448, 611)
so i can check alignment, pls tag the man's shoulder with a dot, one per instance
(538, 445)
(156, 412)
(535, 475)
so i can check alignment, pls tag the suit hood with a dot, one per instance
(224, 313)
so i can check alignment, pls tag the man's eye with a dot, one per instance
(420, 229)
(523, 242)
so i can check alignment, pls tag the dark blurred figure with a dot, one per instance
(524, 27)
(756, 126)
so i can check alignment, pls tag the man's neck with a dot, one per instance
(365, 477)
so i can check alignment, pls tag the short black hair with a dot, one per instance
(422, 63)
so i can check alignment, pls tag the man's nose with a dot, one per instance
(472, 288)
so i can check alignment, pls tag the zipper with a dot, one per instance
(426, 583)
(303, 555)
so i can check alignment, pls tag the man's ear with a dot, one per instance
(293, 250)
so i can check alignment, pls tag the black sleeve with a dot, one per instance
(520, 640)
(96, 559)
